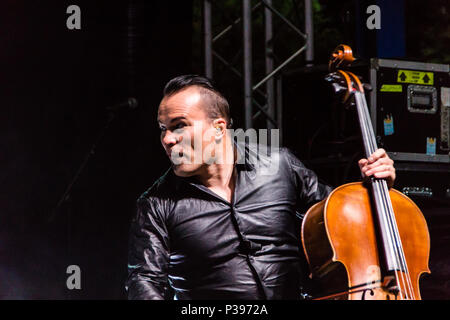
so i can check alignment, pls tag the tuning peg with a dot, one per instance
(332, 77)
(337, 88)
(367, 87)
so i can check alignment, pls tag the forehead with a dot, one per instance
(187, 103)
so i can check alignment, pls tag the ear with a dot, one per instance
(220, 125)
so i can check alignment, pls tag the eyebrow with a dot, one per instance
(173, 120)
(177, 118)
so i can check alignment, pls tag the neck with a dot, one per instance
(220, 175)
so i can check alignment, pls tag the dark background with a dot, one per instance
(56, 84)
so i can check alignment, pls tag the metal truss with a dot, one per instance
(270, 86)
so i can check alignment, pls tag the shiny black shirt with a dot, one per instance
(186, 242)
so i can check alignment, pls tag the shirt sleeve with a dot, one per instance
(148, 254)
(309, 188)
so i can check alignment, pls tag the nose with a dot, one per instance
(169, 139)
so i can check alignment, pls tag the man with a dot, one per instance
(222, 227)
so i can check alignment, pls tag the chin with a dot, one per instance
(185, 170)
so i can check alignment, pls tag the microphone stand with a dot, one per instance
(131, 103)
(66, 196)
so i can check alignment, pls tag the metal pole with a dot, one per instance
(277, 69)
(208, 38)
(235, 22)
(277, 13)
(235, 71)
(309, 30)
(247, 36)
(269, 64)
(280, 107)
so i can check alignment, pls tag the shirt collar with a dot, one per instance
(242, 161)
(242, 164)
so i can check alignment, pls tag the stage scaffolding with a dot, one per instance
(270, 86)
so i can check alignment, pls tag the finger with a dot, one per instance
(383, 174)
(379, 153)
(380, 162)
(362, 162)
(388, 175)
(379, 169)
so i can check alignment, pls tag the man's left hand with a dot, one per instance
(379, 165)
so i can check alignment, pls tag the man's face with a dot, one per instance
(184, 125)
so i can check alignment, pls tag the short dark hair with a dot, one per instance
(218, 106)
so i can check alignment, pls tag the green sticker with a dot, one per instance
(391, 88)
(418, 77)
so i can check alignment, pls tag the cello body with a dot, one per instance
(341, 244)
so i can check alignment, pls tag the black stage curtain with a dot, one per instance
(56, 84)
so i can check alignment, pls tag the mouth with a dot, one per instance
(175, 153)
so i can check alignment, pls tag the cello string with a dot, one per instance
(379, 186)
(402, 254)
(380, 190)
(382, 197)
(369, 150)
(406, 276)
(382, 185)
(385, 195)
(369, 147)
(402, 272)
(383, 191)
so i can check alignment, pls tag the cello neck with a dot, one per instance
(382, 201)
(391, 245)
(367, 133)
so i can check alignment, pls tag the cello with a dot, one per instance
(364, 241)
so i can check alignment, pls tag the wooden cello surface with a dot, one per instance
(365, 241)
(340, 243)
